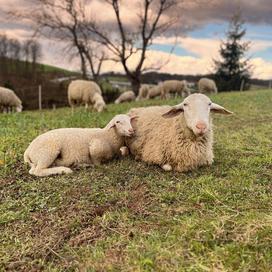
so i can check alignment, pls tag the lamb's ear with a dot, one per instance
(111, 125)
(219, 109)
(174, 111)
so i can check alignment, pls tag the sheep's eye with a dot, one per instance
(210, 103)
(117, 122)
(185, 104)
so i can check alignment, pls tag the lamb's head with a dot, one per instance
(122, 124)
(196, 110)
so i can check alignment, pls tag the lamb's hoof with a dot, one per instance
(66, 170)
(32, 171)
(124, 151)
(167, 167)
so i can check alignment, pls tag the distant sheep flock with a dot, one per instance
(89, 94)
(178, 138)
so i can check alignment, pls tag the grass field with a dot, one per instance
(128, 216)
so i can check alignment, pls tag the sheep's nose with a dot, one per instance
(131, 130)
(201, 126)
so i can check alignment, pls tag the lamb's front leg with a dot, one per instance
(124, 151)
(100, 151)
(167, 167)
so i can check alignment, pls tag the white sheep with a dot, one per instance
(82, 92)
(127, 96)
(178, 137)
(9, 100)
(143, 92)
(206, 85)
(154, 92)
(174, 86)
(55, 151)
(98, 102)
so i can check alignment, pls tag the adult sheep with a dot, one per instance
(143, 92)
(55, 151)
(206, 85)
(154, 92)
(178, 137)
(9, 100)
(83, 92)
(174, 86)
(127, 96)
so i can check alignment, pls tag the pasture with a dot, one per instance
(128, 216)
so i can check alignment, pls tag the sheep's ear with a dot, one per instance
(134, 117)
(219, 109)
(175, 111)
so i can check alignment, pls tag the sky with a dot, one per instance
(198, 34)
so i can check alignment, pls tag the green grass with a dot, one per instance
(128, 216)
(53, 69)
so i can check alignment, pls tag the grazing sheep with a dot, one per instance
(55, 151)
(206, 85)
(174, 86)
(9, 100)
(178, 137)
(154, 92)
(98, 102)
(143, 92)
(127, 96)
(82, 92)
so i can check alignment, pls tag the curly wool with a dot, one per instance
(162, 141)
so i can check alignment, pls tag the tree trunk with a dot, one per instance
(135, 84)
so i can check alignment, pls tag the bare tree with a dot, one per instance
(134, 43)
(63, 21)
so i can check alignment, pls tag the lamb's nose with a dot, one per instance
(201, 125)
(130, 130)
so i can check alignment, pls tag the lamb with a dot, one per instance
(206, 85)
(143, 92)
(154, 92)
(55, 151)
(9, 100)
(82, 92)
(127, 96)
(174, 86)
(98, 102)
(178, 137)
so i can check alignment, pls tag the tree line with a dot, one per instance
(19, 58)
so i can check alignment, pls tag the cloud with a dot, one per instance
(192, 16)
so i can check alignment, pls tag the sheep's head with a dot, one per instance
(122, 124)
(19, 108)
(100, 106)
(196, 110)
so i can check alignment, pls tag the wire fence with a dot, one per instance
(43, 96)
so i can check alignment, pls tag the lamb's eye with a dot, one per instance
(118, 122)
(185, 104)
(210, 103)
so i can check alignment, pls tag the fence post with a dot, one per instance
(242, 85)
(40, 97)
(270, 84)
